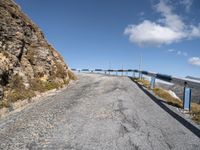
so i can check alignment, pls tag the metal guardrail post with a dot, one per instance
(140, 75)
(133, 74)
(187, 98)
(152, 84)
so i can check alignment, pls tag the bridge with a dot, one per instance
(98, 112)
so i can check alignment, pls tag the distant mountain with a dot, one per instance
(194, 78)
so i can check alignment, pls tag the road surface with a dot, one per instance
(99, 113)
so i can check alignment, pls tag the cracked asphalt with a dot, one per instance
(97, 112)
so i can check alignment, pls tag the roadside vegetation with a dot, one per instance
(164, 94)
(16, 90)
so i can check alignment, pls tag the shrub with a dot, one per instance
(66, 82)
(51, 85)
(144, 83)
(18, 90)
(195, 112)
(4, 104)
(42, 86)
(37, 85)
(71, 75)
(20, 94)
(59, 71)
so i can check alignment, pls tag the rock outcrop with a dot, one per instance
(27, 61)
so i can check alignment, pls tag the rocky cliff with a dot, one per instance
(28, 63)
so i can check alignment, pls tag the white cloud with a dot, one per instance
(169, 19)
(166, 30)
(178, 52)
(195, 31)
(194, 61)
(187, 4)
(182, 53)
(170, 50)
(151, 33)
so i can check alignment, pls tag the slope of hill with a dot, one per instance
(194, 78)
(28, 63)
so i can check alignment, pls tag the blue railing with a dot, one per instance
(187, 83)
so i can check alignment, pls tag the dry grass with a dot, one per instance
(195, 108)
(41, 86)
(59, 71)
(71, 75)
(195, 112)
(17, 91)
(142, 82)
(51, 85)
(20, 94)
(145, 83)
(167, 97)
(4, 103)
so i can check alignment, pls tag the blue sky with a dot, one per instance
(95, 33)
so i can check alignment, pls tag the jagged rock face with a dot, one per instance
(24, 50)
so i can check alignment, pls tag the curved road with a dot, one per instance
(99, 113)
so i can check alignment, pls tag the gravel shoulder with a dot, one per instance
(98, 112)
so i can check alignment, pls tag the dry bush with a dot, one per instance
(18, 90)
(20, 94)
(59, 71)
(37, 85)
(71, 75)
(4, 103)
(195, 112)
(145, 83)
(42, 86)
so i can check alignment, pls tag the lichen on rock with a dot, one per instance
(25, 52)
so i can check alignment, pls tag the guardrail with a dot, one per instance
(188, 84)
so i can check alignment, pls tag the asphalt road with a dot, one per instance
(99, 113)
